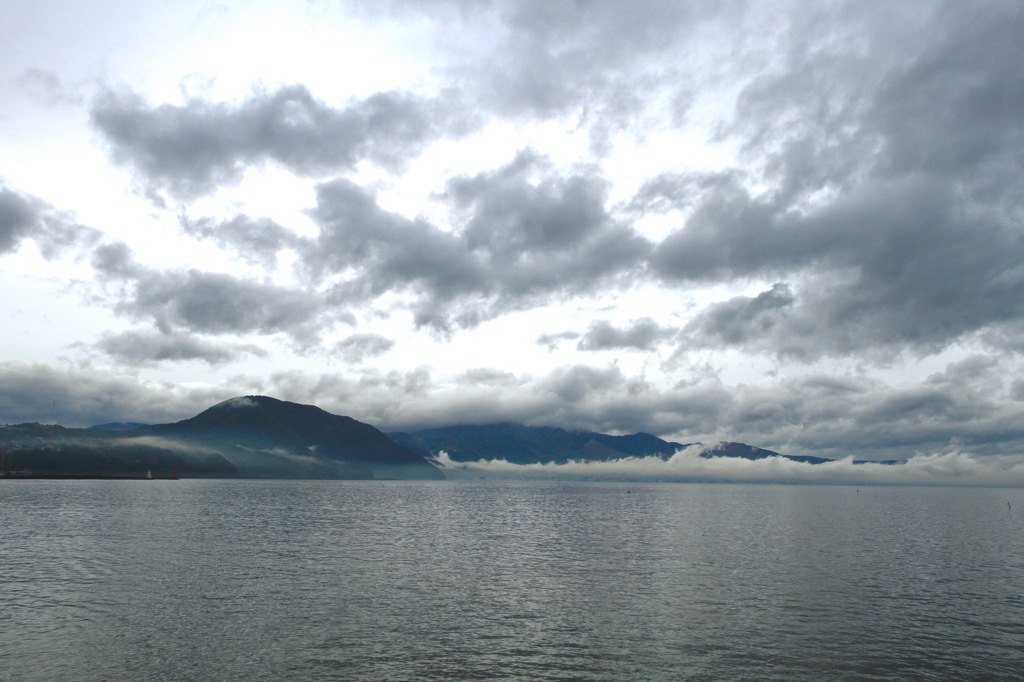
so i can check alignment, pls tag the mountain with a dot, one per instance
(531, 445)
(253, 436)
(267, 437)
(50, 450)
(730, 449)
(117, 426)
(259, 436)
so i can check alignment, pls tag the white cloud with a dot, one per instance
(941, 469)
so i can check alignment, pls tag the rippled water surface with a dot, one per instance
(304, 580)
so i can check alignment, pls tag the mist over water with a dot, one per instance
(942, 469)
(307, 580)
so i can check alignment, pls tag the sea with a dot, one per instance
(508, 580)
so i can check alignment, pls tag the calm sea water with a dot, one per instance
(304, 580)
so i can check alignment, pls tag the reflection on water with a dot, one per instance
(198, 580)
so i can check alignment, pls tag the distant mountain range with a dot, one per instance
(42, 450)
(263, 437)
(254, 437)
(531, 445)
(118, 426)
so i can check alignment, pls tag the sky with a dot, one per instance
(798, 225)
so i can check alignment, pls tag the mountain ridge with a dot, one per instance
(247, 436)
(266, 436)
(258, 436)
(519, 444)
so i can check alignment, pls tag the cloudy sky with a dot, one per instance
(794, 224)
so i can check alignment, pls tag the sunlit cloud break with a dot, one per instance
(952, 468)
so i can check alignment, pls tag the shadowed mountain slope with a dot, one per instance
(530, 445)
(265, 436)
(51, 450)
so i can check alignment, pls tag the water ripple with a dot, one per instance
(270, 580)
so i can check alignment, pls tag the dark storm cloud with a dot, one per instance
(553, 340)
(218, 303)
(730, 233)
(575, 383)
(585, 397)
(963, 407)
(869, 97)
(83, 397)
(389, 251)
(898, 264)
(206, 302)
(576, 396)
(257, 240)
(1008, 337)
(742, 320)
(918, 404)
(114, 260)
(842, 416)
(18, 218)
(358, 347)
(379, 252)
(817, 414)
(512, 217)
(372, 396)
(190, 150)
(487, 377)
(525, 235)
(956, 108)
(643, 334)
(1017, 392)
(541, 231)
(26, 217)
(139, 349)
(893, 168)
